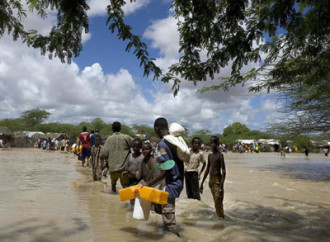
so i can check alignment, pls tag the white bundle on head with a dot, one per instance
(176, 130)
(175, 138)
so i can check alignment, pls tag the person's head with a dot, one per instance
(97, 140)
(84, 128)
(196, 143)
(137, 145)
(146, 149)
(161, 127)
(116, 126)
(96, 131)
(214, 142)
(92, 131)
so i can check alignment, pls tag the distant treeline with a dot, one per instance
(229, 136)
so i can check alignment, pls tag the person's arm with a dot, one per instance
(151, 163)
(129, 172)
(223, 171)
(203, 167)
(79, 140)
(205, 173)
(105, 150)
(157, 179)
(162, 158)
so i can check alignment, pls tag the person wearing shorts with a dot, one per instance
(84, 140)
(116, 150)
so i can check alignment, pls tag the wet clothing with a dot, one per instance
(92, 139)
(192, 184)
(134, 164)
(194, 162)
(96, 162)
(168, 214)
(174, 177)
(85, 152)
(114, 176)
(84, 138)
(191, 174)
(174, 181)
(116, 149)
(44, 144)
(146, 174)
(214, 184)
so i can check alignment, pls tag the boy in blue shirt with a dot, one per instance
(173, 178)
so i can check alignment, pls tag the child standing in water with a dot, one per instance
(191, 173)
(134, 162)
(146, 171)
(96, 160)
(217, 178)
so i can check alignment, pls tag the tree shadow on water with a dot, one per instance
(304, 171)
(37, 230)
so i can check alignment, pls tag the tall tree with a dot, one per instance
(307, 108)
(97, 123)
(34, 116)
(236, 129)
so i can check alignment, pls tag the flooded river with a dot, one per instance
(47, 196)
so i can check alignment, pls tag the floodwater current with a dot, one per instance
(48, 196)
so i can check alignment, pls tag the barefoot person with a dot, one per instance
(216, 168)
(173, 177)
(116, 150)
(96, 160)
(191, 173)
(84, 140)
(146, 172)
(134, 162)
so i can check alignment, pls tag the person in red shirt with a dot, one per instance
(84, 140)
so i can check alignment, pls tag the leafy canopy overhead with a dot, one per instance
(213, 34)
(288, 40)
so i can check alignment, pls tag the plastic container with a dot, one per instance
(153, 195)
(141, 209)
(129, 193)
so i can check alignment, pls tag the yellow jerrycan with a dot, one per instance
(153, 195)
(129, 193)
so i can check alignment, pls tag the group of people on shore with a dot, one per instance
(245, 148)
(54, 144)
(132, 162)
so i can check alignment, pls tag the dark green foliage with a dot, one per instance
(227, 30)
(231, 33)
(204, 135)
(144, 129)
(71, 130)
(34, 116)
(302, 142)
(14, 124)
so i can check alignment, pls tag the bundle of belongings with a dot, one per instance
(175, 137)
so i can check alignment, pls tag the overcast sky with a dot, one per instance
(106, 82)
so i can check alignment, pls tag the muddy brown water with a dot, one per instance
(48, 196)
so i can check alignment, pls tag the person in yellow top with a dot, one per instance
(191, 173)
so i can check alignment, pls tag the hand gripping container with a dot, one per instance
(153, 195)
(129, 193)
